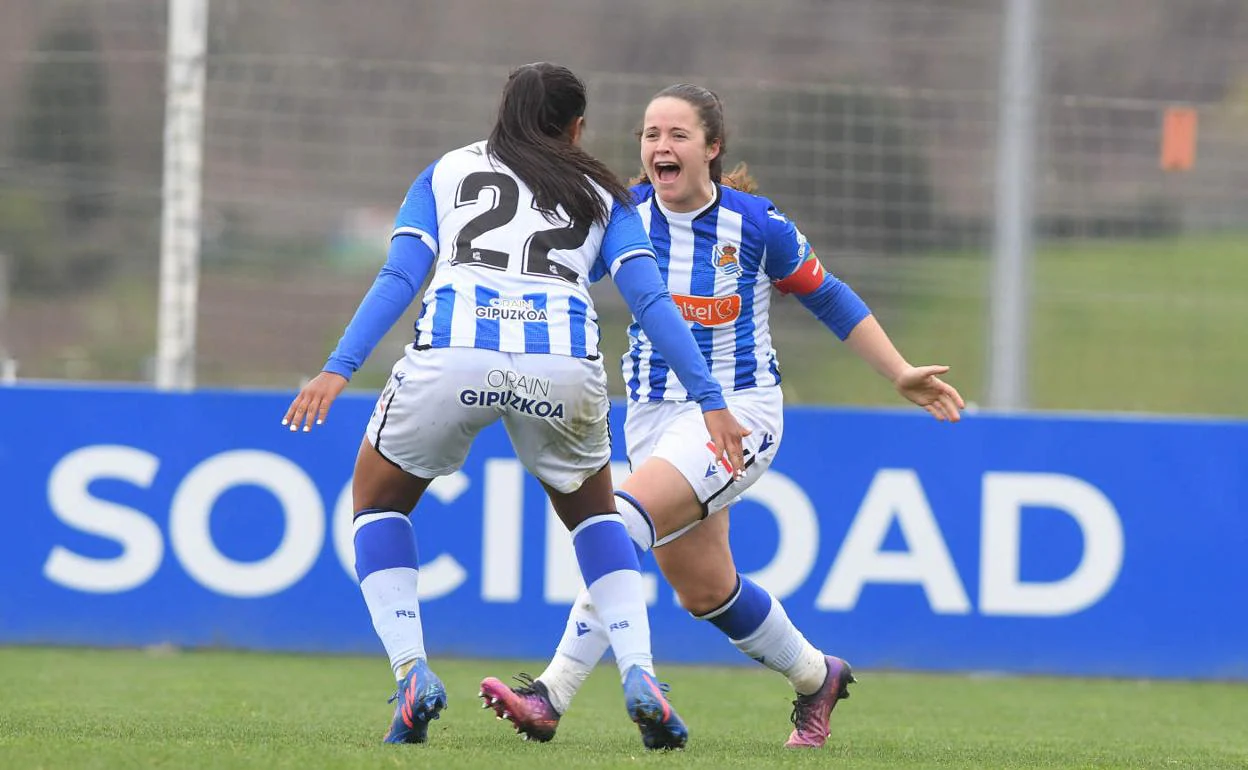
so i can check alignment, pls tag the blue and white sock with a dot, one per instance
(585, 639)
(385, 563)
(583, 644)
(612, 574)
(758, 626)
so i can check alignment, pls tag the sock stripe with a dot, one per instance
(645, 515)
(596, 519)
(383, 541)
(602, 547)
(744, 613)
(721, 609)
(369, 515)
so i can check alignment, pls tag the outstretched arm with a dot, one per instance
(393, 290)
(834, 303)
(918, 384)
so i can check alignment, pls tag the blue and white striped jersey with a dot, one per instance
(719, 263)
(506, 277)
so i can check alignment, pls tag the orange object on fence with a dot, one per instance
(1178, 139)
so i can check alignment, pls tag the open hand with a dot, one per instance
(726, 434)
(922, 386)
(312, 403)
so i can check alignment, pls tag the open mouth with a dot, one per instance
(666, 172)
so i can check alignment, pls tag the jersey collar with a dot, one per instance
(688, 216)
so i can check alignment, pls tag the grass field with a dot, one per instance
(134, 709)
(1153, 325)
(1123, 326)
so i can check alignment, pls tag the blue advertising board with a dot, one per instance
(1042, 544)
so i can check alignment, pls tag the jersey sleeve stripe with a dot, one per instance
(428, 238)
(631, 255)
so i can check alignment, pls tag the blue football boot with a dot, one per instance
(421, 697)
(647, 704)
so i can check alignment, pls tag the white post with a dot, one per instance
(181, 194)
(8, 365)
(1012, 238)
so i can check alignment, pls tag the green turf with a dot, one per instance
(1123, 326)
(133, 709)
(1155, 325)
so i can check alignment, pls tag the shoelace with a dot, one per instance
(802, 711)
(666, 689)
(528, 685)
(398, 691)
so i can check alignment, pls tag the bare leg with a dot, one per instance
(699, 565)
(379, 484)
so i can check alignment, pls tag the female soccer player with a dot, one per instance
(519, 225)
(721, 250)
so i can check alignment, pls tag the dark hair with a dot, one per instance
(711, 115)
(538, 106)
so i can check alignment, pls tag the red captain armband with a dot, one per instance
(805, 279)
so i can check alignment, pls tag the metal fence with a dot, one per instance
(875, 124)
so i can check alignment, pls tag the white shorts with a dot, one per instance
(674, 431)
(437, 399)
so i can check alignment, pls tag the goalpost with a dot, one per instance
(181, 194)
(181, 197)
(918, 154)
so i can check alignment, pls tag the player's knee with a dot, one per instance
(705, 597)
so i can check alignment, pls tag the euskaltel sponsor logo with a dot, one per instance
(709, 311)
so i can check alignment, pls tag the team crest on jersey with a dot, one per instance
(726, 261)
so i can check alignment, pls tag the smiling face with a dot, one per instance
(675, 154)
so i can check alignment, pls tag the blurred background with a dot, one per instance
(876, 124)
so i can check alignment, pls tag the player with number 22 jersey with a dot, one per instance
(515, 229)
(480, 296)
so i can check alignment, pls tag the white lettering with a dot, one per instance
(1001, 592)
(443, 574)
(69, 496)
(303, 532)
(342, 530)
(502, 531)
(895, 495)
